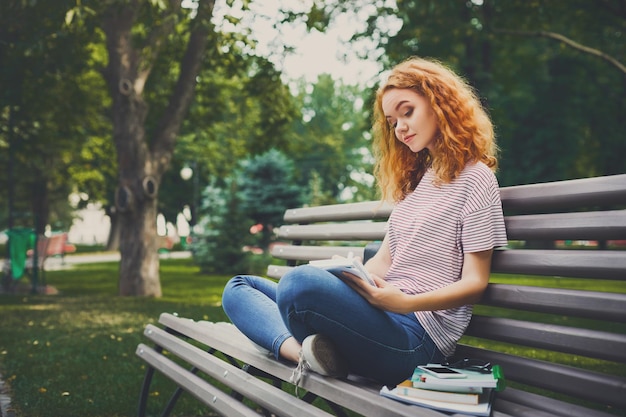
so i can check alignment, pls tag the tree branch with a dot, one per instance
(181, 97)
(568, 42)
(153, 44)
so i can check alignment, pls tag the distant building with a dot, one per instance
(91, 227)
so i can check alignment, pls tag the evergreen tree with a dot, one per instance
(267, 189)
(222, 232)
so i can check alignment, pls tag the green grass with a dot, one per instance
(73, 354)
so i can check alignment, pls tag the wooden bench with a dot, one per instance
(55, 245)
(562, 349)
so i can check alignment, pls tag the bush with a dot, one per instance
(222, 233)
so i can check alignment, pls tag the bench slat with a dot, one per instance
(597, 225)
(569, 263)
(263, 394)
(339, 212)
(360, 397)
(605, 225)
(277, 271)
(566, 263)
(586, 385)
(334, 231)
(526, 404)
(588, 304)
(592, 343)
(196, 386)
(309, 253)
(595, 192)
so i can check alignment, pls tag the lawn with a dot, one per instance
(73, 354)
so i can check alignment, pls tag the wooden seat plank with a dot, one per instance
(578, 383)
(263, 394)
(334, 231)
(358, 397)
(339, 212)
(592, 343)
(526, 404)
(310, 253)
(196, 386)
(604, 225)
(566, 263)
(563, 195)
(578, 303)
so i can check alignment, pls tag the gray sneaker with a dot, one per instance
(319, 355)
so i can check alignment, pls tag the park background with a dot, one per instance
(198, 113)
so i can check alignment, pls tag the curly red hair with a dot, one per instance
(465, 132)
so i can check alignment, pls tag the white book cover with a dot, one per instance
(483, 408)
(339, 265)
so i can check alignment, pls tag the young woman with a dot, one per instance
(436, 155)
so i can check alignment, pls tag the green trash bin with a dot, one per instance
(21, 239)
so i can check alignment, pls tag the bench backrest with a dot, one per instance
(56, 244)
(558, 336)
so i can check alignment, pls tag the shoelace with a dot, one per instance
(299, 372)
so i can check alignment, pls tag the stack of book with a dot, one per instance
(472, 394)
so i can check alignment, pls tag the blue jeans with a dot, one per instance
(376, 344)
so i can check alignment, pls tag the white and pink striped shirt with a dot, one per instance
(431, 229)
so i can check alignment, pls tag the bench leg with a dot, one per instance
(147, 381)
(172, 402)
(256, 372)
(339, 411)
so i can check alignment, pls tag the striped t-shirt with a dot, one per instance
(431, 229)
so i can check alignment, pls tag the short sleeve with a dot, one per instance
(484, 229)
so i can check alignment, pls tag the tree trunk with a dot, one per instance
(139, 266)
(141, 163)
(113, 241)
(40, 203)
(136, 201)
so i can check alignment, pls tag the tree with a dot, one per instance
(267, 188)
(247, 96)
(552, 123)
(329, 143)
(224, 230)
(47, 109)
(135, 32)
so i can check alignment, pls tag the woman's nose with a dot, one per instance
(400, 126)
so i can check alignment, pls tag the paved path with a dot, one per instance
(57, 263)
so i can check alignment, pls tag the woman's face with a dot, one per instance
(411, 117)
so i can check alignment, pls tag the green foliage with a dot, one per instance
(266, 189)
(222, 232)
(49, 107)
(259, 193)
(329, 144)
(552, 121)
(242, 95)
